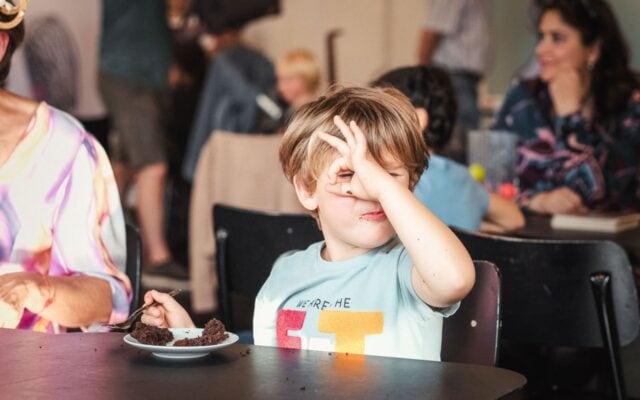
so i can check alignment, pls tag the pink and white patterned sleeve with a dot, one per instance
(88, 227)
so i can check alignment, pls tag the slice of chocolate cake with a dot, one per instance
(214, 332)
(151, 335)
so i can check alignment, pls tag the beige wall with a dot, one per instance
(376, 34)
(83, 25)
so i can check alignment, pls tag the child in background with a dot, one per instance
(447, 188)
(388, 269)
(298, 77)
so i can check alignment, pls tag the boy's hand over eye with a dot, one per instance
(368, 177)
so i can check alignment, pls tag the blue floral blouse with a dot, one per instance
(598, 159)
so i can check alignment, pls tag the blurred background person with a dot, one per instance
(186, 77)
(298, 76)
(135, 57)
(579, 120)
(236, 76)
(455, 36)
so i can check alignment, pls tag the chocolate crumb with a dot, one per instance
(303, 388)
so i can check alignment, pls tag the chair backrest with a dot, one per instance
(134, 262)
(546, 291)
(471, 335)
(255, 183)
(248, 243)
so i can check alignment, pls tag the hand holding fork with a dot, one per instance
(123, 326)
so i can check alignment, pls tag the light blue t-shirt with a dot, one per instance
(364, 305)
(450, 192)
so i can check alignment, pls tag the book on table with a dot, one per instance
(596, 222)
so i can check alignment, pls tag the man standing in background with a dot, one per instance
(134, 62)
(455, 35)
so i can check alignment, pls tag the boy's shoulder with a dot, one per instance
(295, 258)
(448, 166)
(446, 173)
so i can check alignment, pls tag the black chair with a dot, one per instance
(472, 334)
(247, 245)
(249, 242)
(564, 293)
(134, 262)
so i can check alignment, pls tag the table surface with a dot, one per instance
(102, 366)
(539, 227)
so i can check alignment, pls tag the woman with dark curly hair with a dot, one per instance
(62, 232)
(579, 120)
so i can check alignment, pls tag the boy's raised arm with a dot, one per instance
(443, 271)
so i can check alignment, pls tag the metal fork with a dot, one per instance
(123, 326)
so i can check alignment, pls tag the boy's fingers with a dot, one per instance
(335, 142)
(153, 312)
(361, 140)
(348, 135)
(148, 297)
(340, 189)
(169, 303)
(157, 322)
(339, 164)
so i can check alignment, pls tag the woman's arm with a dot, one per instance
(504, 214)
(427, 46)
(71, 301)
(89, 241)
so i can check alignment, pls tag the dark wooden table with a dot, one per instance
(539, 227)
(101, 366)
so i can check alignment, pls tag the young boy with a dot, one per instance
(447, 188)
(388, 269)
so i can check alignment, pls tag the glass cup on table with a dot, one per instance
(492, 157)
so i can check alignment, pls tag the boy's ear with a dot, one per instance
(306, 198)
(423, 117)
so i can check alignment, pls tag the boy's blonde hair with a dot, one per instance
(301, 62)
(386, 117)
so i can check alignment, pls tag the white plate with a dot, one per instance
(181, 352)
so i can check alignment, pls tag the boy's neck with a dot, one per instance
(332, 251)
